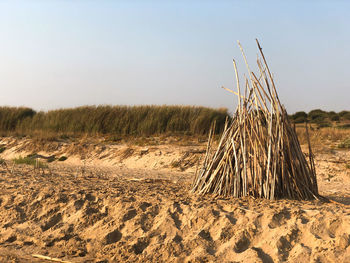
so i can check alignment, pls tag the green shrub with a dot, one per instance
(29, 161)
(51, 159)
(335, 118)
(346, 116)
(344, 144)
(62, 158)
(343, 113)
(300, 120)
(299, 117)
(299, 114)
(24, 160)
(317, 115)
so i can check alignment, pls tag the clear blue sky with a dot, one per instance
(57, 54)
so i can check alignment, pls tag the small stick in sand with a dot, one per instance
(50, 259)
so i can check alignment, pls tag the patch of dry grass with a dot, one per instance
(323, 136)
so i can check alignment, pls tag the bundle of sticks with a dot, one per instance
(259, 153)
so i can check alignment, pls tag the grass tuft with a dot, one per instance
(344, 144)
(29, 161)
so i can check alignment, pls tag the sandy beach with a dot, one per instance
(94, 210)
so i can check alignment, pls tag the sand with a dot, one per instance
(127, 209)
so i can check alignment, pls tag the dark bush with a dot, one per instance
(342, 113)
(299, 114)
(62, 158)
(346, 116)
(317, 116)
(335, 118)
(51, 159)
(299, 117)
(300, 120)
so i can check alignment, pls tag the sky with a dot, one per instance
(58, 54)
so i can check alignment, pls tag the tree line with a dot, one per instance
(322, 118)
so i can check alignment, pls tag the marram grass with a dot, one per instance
(117, 120)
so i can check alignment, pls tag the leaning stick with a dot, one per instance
(238, 88)
(268, 70)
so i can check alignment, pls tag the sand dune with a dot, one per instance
(121, 214)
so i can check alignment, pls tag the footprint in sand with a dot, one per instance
(144, 206)
(242, 244)
(279, 219)
(52, 222)
(140, 246)
(130, 214)
(112, 237)
(90, 197)
(285, 244)
(205, 235)
(79, 204)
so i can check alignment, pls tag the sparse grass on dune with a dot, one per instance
(29, 161)
(24, 160)
(323, 136)
(345, 144)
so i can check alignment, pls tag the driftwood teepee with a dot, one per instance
(259, 153)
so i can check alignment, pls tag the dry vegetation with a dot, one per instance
(139, 125)
(116, 120)
(324, 138)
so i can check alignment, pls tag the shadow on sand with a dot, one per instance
(345, 200)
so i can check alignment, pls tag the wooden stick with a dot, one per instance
(50, 258)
